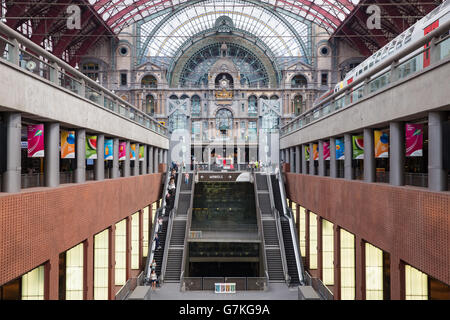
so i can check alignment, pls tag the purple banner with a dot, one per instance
(36, 141)
(414, 140)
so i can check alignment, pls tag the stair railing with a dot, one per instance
(294, 235)
(260, 226)
(155, 229)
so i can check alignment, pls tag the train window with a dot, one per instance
(365, 67)
(392, 47)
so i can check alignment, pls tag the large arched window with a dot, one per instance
(195, 105)
(149, 81)
(252, 106)
(150, 105)
(184, 96)
(298, 104)
(224, 120)
(299, 81)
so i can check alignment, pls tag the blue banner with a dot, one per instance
(109, 149)
(340, 148)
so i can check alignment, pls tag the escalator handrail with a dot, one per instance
(167, 244)
(296, 245)
(281, 245)
(155, 228)
(169, 229)
(294, 238)
(260, 226)
(188, 227)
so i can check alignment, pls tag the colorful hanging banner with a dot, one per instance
(67, 144)
(358, 147)
(381, 144)
(326, 150)
(340, 147)
(109, 154)
(307, 153)
(122, 150)
(414, 139)
(35, 141)
(141, 153)
(133, 151)
(91, 147)
(315, 151)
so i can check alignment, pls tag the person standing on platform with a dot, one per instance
(153, 279)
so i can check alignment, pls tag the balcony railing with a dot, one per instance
(22, 52)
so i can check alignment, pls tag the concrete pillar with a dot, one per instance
(115, 167)
(126, 167)
(311, 159)
(80, 149)
(297, 159)
(136, 161)
(144, 163)
(369, 156)
(52, 138)
(165, 156)
(292, 159)
(155, 159)
(287, 155)
(437, 176)
(321, 159)
(333, 164)
(348, 172)
(11, 177)
(99, 165)
(397, 153)
(150, 159)
(303, 147)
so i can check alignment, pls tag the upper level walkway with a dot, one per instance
(44, 88)
(401, 88)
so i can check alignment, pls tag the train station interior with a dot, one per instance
(225, 149)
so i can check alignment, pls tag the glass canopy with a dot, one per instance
(162, 37)
(327, 13)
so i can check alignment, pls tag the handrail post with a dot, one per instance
(15, 52)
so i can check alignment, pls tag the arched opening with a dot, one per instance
(195, 105)
(264, 97)
(252, 106)
(184, 96)
(150, 105)
(224, 80)
(173, 97)
(149, 81)
(298, 104)
(274, 97)
(224, 122)
(299, 81)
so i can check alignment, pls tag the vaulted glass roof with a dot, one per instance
(283, 35)
(327, 13)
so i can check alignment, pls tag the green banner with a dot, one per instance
(307, 153)
(141, 153)
(91, 147)
(358, 147)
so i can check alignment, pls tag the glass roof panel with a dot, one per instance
(329, 14)
(255, 20)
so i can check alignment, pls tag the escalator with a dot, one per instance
(161, 230)
(174, 252)
(291, 249)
